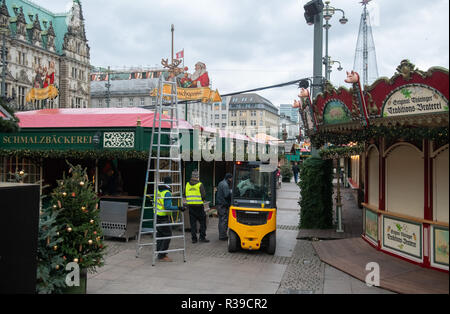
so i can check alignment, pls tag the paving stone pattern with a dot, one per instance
(294, 269)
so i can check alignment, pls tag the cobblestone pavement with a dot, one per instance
(305, 272)
(296, 267)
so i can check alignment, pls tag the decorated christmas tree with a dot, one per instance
(50, 262)
(8, 120)
(78, 218)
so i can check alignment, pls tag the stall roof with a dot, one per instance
(112, 117)
(91, 117)
(225, 133)
(265, 138)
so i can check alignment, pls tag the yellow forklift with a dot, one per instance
(252, 218)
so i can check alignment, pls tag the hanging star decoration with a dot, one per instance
(365, 2)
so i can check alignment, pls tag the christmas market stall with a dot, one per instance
(109, 141)
(395, 133)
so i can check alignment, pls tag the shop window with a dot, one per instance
(12, 165)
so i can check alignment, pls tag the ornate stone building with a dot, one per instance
(45, 48)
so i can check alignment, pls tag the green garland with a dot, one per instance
(90, 154)
(439, 134)
(334, 152)
(73, 154)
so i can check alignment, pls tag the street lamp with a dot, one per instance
(329, 64)
(328, 13)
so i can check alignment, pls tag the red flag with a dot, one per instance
(180, 55)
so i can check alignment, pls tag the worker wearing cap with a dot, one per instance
(195, 197)
(223, 202)
(164, 206)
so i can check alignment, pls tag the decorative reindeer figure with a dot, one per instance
(174, 70)
(353, 78)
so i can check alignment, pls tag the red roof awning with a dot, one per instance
(92, 117)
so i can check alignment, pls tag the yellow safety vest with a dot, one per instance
(193, 195)
(160, 204)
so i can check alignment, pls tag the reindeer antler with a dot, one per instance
(173, 68)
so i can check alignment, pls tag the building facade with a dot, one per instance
(41, 47)
(288, 111)
(289, 126)
(251, 114)
(221, 113)
(123, 93)
(134, 89)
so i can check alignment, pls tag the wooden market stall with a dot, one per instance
(399, 126)
(104, 138)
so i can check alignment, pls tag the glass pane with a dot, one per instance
(251, 183)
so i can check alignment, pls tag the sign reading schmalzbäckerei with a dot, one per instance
(413, 99)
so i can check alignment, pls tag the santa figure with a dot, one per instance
(49, 75)
(200, 77)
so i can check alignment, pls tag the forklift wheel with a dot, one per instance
(233, 241)
(272, 243)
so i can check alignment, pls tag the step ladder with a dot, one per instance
(164, 160)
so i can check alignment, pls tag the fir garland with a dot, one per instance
(95, 154)
(335, 152)
(439, 134)
(73, 154)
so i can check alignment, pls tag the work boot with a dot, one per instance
(165, 259)
(194, 240)
(204, 240)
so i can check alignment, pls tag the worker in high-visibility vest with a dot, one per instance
(195, 197)
(162, 217)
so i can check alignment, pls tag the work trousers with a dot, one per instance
(197, 212)
(163, 231)
(222, 211)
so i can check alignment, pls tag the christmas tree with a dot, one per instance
(50, 263)
(78, 218)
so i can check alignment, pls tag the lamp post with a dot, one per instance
(330, 64)
(328, 13)
(338, 197)
(314, 16)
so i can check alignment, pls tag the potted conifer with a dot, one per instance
(79, 220)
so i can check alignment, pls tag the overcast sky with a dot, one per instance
(247, 44)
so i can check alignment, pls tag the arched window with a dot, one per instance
(405, 180)
(440, 185)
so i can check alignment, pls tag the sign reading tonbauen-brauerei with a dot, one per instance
(402, 236)
(414, 99)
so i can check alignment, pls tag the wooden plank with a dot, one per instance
(402, 216)
(352, 255)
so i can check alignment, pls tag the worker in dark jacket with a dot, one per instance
(223, 202)
(163, 206)
(195, 197)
